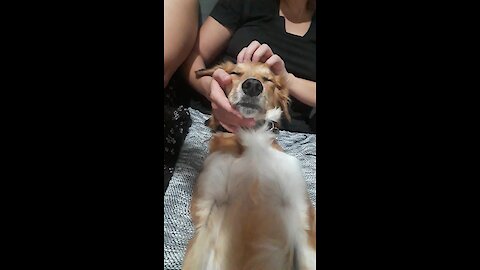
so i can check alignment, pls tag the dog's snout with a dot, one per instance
(252, 87)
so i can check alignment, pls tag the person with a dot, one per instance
(280, 33)
(178, 15)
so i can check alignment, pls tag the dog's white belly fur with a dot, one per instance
(226, 201)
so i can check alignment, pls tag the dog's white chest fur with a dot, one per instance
(251, 210)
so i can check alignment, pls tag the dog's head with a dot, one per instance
(254, 90)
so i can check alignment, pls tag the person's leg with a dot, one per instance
(180, 31)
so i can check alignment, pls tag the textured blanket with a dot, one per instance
(178, 227)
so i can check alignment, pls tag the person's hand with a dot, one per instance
(256, 52)
(223, 111)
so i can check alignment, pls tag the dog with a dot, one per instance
(250, 205)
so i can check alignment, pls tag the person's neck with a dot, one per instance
(295, 10)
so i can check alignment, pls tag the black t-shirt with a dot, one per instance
(260, 20)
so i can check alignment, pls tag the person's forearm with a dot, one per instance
(303, 90)
(194, 63)
(211, 40)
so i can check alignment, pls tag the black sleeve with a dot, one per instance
(229, 13)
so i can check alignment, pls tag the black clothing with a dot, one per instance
(176, 123)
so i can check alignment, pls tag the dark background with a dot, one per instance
(82, 112)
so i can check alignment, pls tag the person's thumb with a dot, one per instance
(222, 77)
(217, 96)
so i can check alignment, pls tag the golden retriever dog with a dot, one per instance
(250, 205)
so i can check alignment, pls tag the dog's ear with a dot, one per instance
(282, 96)
(284, 101)
(227, 66)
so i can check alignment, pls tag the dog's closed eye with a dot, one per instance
(235, 73)
(267, 79)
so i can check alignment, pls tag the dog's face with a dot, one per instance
(254, 90)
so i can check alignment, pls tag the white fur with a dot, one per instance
(274, 115)
(223, 194)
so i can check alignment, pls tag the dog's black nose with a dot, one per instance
(252, 87)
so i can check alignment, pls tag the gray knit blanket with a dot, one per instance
(178, 226)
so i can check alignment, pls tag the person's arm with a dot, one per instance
(180, 29)
(303, 90)
(211, 41)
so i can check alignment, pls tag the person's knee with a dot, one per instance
(175, 54)
(167, 75)
(181, 26)
(172, 63)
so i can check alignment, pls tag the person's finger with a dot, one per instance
(265, 57)
(220, 104)
(230, 128)
(225, 117)
(250, 50)
(217, 96)
(224, 112)
(232, 120)
(276, 64)
(262, 53)
(239, 120)
(274, 59)
(247, 122)
(240, 55)
(222, 78)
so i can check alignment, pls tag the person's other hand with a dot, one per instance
(223, 111)
(256, 52)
